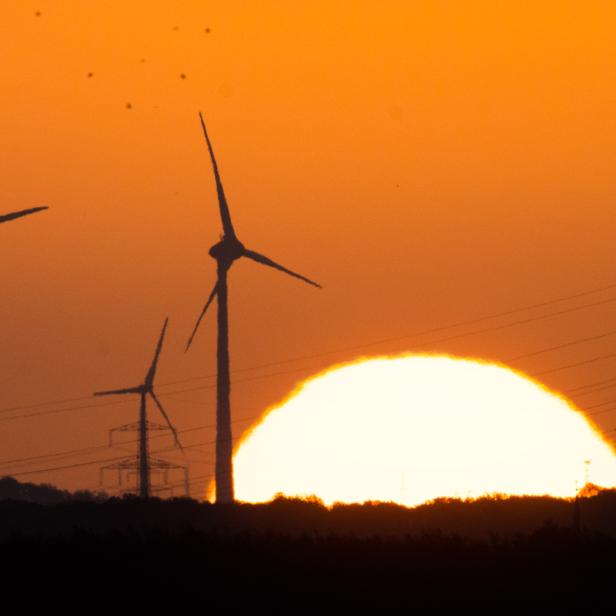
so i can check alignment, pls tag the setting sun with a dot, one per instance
(413, 428)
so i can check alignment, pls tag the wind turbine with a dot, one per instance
(13, 215)
(225, 252)
(143, 390)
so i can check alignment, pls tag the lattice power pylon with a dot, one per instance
(143, 463)
(131, 467)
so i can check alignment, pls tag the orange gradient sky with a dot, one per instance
(427, 162)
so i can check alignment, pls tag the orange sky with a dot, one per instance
(427, 162)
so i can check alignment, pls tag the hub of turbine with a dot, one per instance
(227, 250)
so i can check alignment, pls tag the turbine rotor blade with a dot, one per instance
(164, 414)
(259, 258)
(149, 379)
(113, 392)
(225, 215)
(13, 215)
(207, 305)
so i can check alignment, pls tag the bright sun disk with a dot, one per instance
(413, 428)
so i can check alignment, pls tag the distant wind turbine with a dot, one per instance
(13, 215)
(147, 387)
(228, 250)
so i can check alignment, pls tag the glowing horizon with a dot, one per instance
(413, 428)
(441, 161)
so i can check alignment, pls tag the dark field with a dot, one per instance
(493, 555)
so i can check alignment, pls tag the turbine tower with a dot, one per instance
(225, 252)
(13, 215)
(143, 390)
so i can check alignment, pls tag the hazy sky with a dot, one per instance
(428, 162)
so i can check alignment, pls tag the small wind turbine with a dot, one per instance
(13, 215)
(143, 390)
(228, 250)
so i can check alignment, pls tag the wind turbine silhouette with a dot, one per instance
(143, 390)
(13, 215)
(228, 250)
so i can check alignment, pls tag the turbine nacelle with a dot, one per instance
(229, 249)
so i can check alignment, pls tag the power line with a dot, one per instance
(210, 477)
(576, 365)
(450, 326)
(296, 370)
(514, 323)
(196, 480)
(589, 385)
(534, 353)
(103, 461)
(601, 412)
(118, 458)
(596, 390)
(594, 406)
(56, 411)
(94, 448)
(61, 454)
(69, 453)
(384, 340)
(559, 347)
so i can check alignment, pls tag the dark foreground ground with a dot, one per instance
(523, 555)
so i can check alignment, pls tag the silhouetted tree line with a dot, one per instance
(43, 509)
(498, 555)
(43, 493)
